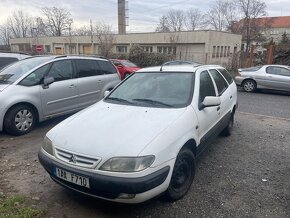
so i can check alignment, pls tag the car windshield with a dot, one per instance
(14, 71)
(129, 64)
(155, 89)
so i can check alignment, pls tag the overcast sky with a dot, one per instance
(143, 14)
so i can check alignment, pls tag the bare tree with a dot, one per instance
(82, 31)
(105, 37)
(163, 25)
(176, 20)
(5, 34)
(57, 20)
(221, 15)
(39, 27)
(251, 10)
(20, 24)
(194, 19)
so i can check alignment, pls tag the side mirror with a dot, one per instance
(211, 101)
(47, 81)
(106, 93)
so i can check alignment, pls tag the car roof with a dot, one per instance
(178, 68)
(19, 56)
(54, 57)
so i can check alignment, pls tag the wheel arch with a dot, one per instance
(24, 103)
(191, 145)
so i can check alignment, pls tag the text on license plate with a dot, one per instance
(73, 178)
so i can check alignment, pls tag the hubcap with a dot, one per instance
(249, 86)
(23, 120)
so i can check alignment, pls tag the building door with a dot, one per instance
(58, 51)
(87, 50)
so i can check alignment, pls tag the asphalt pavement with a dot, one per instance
(265, 102)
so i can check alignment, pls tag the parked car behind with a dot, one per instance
(125, 67)
(7, 58)
(133, 146)
(276, 77)
(36, 89)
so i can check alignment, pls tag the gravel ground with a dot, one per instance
(245, 175)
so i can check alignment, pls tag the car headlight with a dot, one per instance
(127, 164)
(47, 145)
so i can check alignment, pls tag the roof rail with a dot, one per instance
(60, 56)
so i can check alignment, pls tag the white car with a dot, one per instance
(143, 138)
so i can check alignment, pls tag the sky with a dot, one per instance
(143, 14)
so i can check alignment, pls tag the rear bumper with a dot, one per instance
(107, 187)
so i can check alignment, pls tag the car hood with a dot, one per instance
(3, 86)
(106, 130)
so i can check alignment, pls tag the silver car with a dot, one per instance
(276, 77)
(39, 88)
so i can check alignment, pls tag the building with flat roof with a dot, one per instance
(208, 47)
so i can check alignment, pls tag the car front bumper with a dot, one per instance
(111, 187)
(239, 80)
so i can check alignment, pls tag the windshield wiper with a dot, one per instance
(151, 101)
(119, 99)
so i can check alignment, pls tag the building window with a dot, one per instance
(235, 49)
(222, 51)
(148, 48)
(287, 31)
(47, 48)
(166, 49)
(121, 49)
(274, 32)
(217, 51)
(229, 48)
(225, 51)
(213, 51)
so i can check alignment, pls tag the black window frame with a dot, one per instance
(221, 76)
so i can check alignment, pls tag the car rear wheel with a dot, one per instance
(19, 120)
(182, 176)
(249, 85)
(228, 130)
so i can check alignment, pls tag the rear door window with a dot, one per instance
(87, 68)
(226, 75)
(278, 71)
(220, 82)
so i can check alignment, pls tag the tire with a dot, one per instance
(20, 120)
(182, 175)
(249, 85)
(228, 130)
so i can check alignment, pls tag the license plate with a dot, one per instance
(73, 178)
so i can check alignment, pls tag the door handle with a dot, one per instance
(218, 108)
(72, 86)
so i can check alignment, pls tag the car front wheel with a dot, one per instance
(182, 176)
(249, 85)
(19, 120)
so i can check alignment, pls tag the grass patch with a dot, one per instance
(16, 207)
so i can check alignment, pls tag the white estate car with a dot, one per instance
(143, 138)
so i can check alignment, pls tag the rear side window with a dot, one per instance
(6, 60)
(219, 81)
(278, 71)
(87, 68)
(107, 67)
(206, 87)
(226, 75)
(61, 70)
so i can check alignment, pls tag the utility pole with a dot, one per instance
(122, 16)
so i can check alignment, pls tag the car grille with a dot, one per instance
(76, 159)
